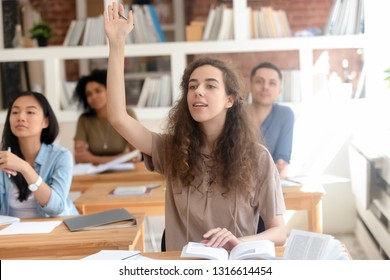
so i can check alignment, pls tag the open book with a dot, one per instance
(260, 249)
(120, 163)
(305, 245)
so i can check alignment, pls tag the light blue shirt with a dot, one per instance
(277, 132)
(55, 165)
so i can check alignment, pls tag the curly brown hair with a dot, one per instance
(236, 152)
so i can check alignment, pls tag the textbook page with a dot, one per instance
(112, 255)
(199, 250)
(30, 227)
(253, 249)
(261, 249)
(305, 245)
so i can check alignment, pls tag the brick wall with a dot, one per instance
(59, 14)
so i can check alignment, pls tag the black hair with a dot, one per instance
(48, 136)
(80, 95)
(267, 65)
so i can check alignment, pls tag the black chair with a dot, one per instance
(260, 225)
(163, 248)
(260, 228)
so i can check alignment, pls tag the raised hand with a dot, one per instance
(115, 24)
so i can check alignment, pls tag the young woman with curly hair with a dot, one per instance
(219, 177)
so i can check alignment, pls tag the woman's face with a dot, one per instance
(96, 95)
(206, 96)
(27, 118)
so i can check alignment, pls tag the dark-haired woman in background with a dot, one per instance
(96, 141)
(37, 174)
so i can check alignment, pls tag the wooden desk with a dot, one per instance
(98, 198)
(81, 183)
(175, 255)
(63, 244)
(309, 199)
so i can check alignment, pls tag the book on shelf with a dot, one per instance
(165, 91)
(138, 34)
(270, 23)
(305, 245)
(147, 27)
(285, 25)
(195, 30)
(155, 92)
(76, 30)
(156, 23)
(345, 18)
(90, 31)
(94, 32)
(143, 97)
(291, 86)
(66, 97)
(225, 31)
(69, 32)
(209, 24)
(216, 24)
(114, 218)
(259, 249)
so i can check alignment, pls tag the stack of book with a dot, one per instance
(90, 31)
(156, 92)
(262, 23)
(346, 18)
(269, 23)
(219, 24)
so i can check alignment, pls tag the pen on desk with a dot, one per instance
(9, 150)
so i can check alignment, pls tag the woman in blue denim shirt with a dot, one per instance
(36, 175)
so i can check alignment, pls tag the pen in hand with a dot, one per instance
(121, 16)
(11, 171)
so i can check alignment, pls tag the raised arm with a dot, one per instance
(117, 28)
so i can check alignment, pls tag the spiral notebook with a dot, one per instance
(114, 218)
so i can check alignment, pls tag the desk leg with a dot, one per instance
(315, 216)
(139, 243)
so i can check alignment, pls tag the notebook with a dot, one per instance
(101, 220)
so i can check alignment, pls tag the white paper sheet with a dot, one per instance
(112, 255)
(30, 227)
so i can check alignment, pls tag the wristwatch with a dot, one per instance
(34, 186)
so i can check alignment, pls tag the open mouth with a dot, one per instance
(199, 105)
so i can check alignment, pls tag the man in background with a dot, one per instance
(275, 121)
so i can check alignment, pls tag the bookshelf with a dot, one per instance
(178, 53)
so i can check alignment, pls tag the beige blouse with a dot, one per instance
(190, 213)
(101, 137)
